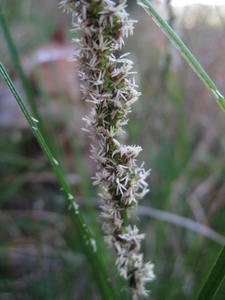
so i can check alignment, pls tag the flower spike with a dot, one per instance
(107, 82)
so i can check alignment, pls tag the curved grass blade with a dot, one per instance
(92, 254)
(186, 53)
(214, 280)
(181, 221)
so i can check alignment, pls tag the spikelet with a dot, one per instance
(107, 81)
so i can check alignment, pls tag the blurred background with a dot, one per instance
(176, 121)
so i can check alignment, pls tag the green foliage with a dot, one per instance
(185, 52)
(215, 279)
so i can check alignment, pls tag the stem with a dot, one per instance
(215, 278)
(185, 52)
(94, 257)
(125, 217)
(16, 61)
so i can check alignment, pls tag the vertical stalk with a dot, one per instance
(92, 254)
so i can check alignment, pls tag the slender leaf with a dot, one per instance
(214, 280)
(186, 53)
(217, 275)
(92, 254)
(16, 61)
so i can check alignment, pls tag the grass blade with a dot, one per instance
(93, 256)
(186, 53)
(16, 61)
(181, 221)
(214, 280)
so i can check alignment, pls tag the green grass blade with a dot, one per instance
(93, 256)
(214, 280)
(24, 81)
(16, 61)
(186, 53)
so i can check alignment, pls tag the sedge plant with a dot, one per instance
(108, 83)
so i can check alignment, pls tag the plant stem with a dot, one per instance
(214, 279)
(16, 61)
(185, 52)
(94, 257)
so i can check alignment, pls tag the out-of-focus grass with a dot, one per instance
(183, 141)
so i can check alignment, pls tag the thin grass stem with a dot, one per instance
(214, 280)
(181, 221)
(185, 52)
(92, 254)
(16, 61)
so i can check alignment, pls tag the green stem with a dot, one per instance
(94, 257)
(125, 217)
(215, 279)
(24, 81)
(16, 61)
(185, 52)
